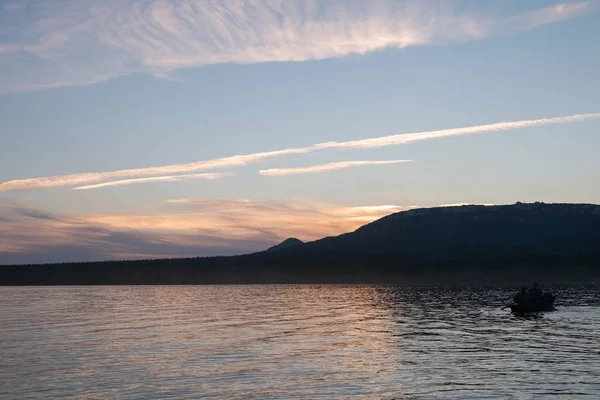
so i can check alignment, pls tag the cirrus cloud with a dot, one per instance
(78, 42)
(241, 160)
(325, 167)
(168, 178)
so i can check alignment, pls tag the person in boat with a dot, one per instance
(522, 297)
(535, 292)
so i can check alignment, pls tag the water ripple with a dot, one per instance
(297, 342)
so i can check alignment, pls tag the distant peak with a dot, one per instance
(287, 243)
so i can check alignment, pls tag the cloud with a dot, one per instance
(365, 214)
(171, 178)
(77, 179)
(325, 167)
(553, 14)
(240, 160)
(175, 228)
(79, 42)
(11, 210)
(392, 140)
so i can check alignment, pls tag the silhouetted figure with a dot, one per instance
(522, 297)
(535, 292)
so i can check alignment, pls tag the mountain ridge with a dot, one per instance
(519, 212)
(548, 238)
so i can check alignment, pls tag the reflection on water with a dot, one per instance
(294, 342)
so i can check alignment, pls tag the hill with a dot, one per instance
(286, 244)
(471, 231)
(465, 243)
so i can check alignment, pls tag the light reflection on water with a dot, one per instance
(291, 341)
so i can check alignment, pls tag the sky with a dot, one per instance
(163, 128)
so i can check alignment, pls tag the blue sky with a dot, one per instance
(174, 89)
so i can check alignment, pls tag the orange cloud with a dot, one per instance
(301, 218)
(178, 227)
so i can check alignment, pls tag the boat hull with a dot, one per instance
(521, 309)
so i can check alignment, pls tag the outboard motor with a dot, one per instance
(548, 298)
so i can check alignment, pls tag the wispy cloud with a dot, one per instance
(78, 179)
(178, 227)
(392, 140)
(325, 167)
(168, 178)
(365, 214)
(240, 160)
(78, 42)
(553, 14)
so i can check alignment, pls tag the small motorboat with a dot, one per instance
(546, 303)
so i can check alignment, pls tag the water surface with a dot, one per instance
(300, 342)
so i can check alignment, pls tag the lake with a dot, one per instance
(295, 342)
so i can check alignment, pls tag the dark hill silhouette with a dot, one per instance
(465, 243)
(473, 230)
(286, 244)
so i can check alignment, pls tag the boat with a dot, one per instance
(546, 303)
